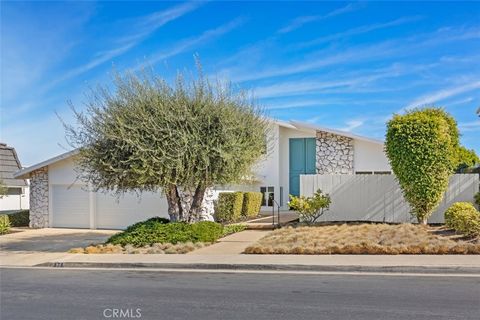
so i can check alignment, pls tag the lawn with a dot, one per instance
(365, 239)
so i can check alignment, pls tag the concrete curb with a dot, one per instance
(270, 267)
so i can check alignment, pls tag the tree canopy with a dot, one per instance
(421, 146)
(146, 134)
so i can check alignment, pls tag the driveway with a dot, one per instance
(51, 240)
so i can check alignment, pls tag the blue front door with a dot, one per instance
(301, 161)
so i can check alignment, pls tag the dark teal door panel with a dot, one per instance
(301, 161)
(310, 151)
(296, 164)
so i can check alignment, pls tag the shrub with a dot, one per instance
(310, 208)
(228, 207)
(19, 218)
(421, 147)
(477, 199)
(4, 224)
(153, 231)
(464, 218)
(252, 203)
(206, 231)
(233, 228)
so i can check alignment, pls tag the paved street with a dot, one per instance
(94, 294)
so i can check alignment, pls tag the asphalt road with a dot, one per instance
(85, 294)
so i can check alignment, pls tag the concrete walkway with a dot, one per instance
(232, 244)
(267, 222)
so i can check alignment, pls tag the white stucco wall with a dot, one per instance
(62, 172)
(369, 156)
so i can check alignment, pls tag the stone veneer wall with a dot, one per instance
(334, 154)
(39, 198)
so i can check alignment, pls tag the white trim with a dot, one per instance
(302, 125)
(24, 173)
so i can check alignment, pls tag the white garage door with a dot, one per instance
(113, 213)
(70, 207)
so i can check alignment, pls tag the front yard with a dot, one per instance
(160, 236)
(365, 239)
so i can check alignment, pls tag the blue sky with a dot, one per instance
(344, 65)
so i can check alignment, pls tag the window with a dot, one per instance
(268, 195)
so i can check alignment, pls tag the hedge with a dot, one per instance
(154, 231)
(228, 207)
(252, 203)
(20, 218)
(464, 218)
(4, 224)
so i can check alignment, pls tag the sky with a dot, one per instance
(344, 65)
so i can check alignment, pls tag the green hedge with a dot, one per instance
(228, 207)
(252, 203)
(20, 218)
(157, 231)
(4, 224)
(464, 218)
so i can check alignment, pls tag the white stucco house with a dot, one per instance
(59, 199)
(17, 193)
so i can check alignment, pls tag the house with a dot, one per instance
(16, 197)
(59, 199)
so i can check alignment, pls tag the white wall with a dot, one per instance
(379, 197)
(369, 156)
(62, 172)
(16, 202)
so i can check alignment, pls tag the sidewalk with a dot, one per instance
(232, 244)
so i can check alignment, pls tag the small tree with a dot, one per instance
(147, 135)
(310, 208)
(465, 158)
(421, 148)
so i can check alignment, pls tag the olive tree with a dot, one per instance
(421, 146)
(145, 134)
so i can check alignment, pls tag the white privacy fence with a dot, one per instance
(378, 197)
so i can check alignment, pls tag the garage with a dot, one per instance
(70, 207)
(60, 200)
(74, 207)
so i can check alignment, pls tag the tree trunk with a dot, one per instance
(187, 205)
(423, 221)
(196, 205)
(173, 200)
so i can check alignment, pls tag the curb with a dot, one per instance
(268, 267)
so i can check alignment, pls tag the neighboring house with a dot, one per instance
(17, 189)
(59, 199)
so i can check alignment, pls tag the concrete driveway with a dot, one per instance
(29, 247)
(51, 240)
